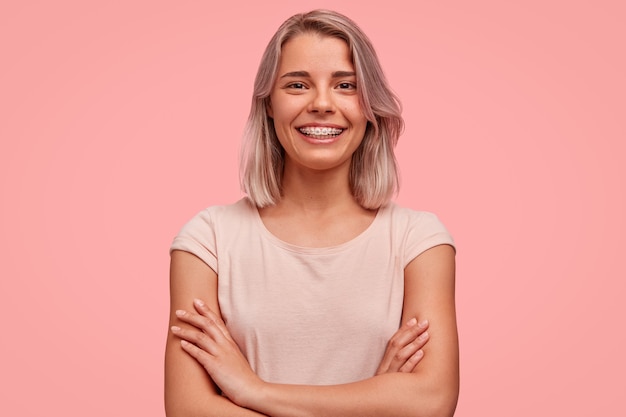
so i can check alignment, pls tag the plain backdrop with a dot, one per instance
(119, 120)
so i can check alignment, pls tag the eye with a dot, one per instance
(346, 86)
(296, 86)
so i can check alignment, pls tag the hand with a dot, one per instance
(404, 350)
(211, 344)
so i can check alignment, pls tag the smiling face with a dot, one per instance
(315, 105)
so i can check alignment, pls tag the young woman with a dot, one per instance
(314, 295)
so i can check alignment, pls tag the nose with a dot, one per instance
(322, 102)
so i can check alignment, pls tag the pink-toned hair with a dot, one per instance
(373, 171)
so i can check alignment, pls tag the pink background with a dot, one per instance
(120, 120)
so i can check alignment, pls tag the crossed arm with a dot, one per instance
(201, 355)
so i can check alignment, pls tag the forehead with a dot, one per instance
(314, 52)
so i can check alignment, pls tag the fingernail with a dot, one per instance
(411, 322)
(424, 323)
(175, 329)
(424, 336)
(180, 313)
(198, 302)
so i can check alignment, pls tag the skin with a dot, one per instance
(316, 86)
(418, 375)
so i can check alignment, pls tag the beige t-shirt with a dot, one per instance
(315, 316)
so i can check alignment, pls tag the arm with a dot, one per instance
(431, 389)
(189, 391)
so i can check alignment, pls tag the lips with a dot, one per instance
(321, 134)
(320, 131)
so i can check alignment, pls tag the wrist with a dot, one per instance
(256, 396)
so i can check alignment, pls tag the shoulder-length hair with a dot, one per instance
(373, 172)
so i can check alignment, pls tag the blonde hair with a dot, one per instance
(373, 171)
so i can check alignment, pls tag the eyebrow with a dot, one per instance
(336, 74)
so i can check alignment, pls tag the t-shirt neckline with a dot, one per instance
(314, 250)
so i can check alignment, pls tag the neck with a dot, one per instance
(317, 191)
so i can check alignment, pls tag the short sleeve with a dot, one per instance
(424, 232)
(198, 238)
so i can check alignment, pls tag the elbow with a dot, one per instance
(171, 411)
(437, 402)
(176, 409)
(177, 412)
(445, 409)
(435, 409)
(442, 404)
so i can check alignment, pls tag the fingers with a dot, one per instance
(207, 321)
(203, 309)
(410, 344)
(199, 339)
(207, 333)
(404, 350)
(412, 361)
(196, 352)
(408, 333)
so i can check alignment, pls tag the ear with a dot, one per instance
(268, 108)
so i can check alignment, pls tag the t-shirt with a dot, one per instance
(316, 316)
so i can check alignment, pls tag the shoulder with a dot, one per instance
(218, 216)
(203, 232)
(418, 230)
(413, 219)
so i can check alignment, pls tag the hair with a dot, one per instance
(373, 174)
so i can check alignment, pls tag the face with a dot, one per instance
(315, 105)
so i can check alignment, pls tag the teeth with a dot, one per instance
(320, 131)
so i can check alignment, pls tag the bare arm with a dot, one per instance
(189, 391)
(431, 389)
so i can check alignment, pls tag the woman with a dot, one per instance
(312, 296)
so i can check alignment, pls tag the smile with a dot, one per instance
(320, 132)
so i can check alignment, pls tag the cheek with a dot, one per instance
(280, 114)
(352, 110)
